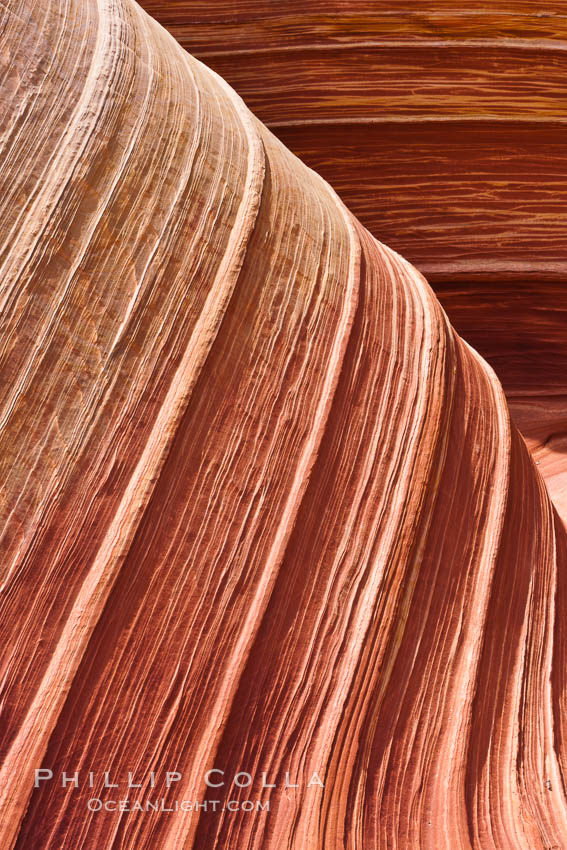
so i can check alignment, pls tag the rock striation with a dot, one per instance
(442, 129)
(264, 512)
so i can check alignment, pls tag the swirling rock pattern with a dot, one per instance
(520, 329)
(265, 510)
(443, 130)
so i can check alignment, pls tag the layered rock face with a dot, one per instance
(441, 126)
(264, 511)
(443, 130)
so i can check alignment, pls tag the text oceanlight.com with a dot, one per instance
(95, 804)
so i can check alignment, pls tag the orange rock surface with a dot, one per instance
(264, 512)
(440, 125)
(443, 129)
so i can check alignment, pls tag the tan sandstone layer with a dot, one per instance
(263, 510)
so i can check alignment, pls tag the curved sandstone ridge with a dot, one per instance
(442, 127)
(265, 512)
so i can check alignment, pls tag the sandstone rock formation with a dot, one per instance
(264, 511)
(442, 127)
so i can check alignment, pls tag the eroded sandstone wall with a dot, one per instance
(263, 510)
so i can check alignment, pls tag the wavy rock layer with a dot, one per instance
(266, 511)
(520, 329)
(443, 130)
